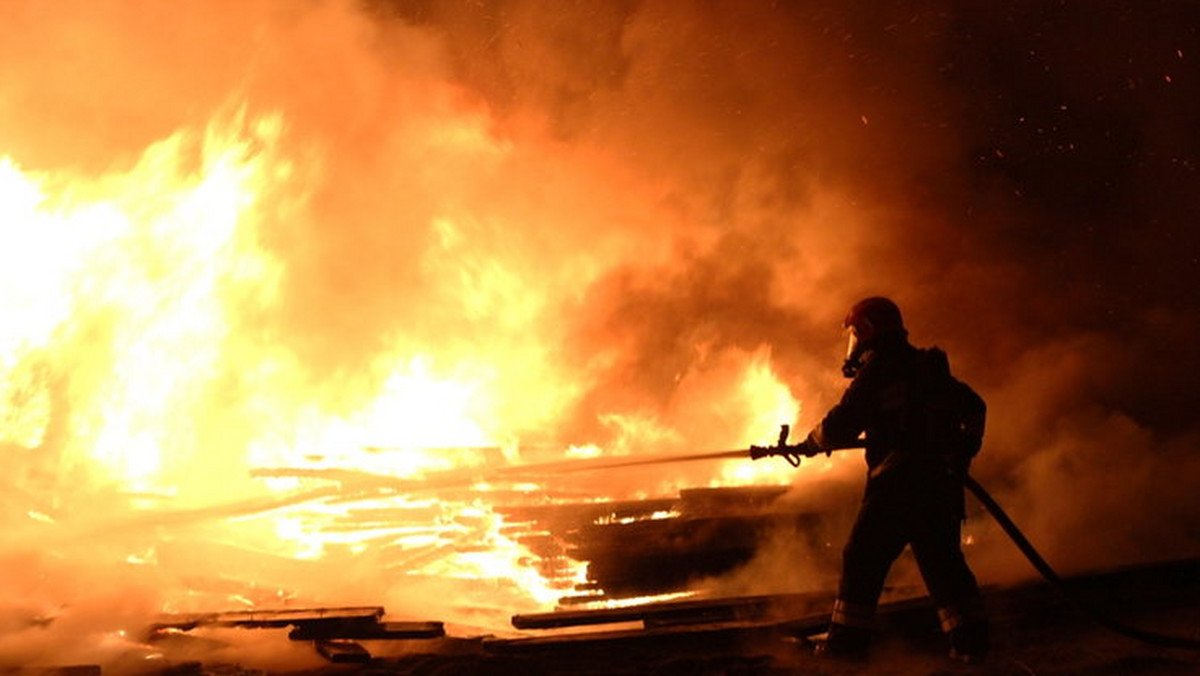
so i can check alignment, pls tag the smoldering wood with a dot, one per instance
(699, 522)
(647, 547)
(655, 555)
(625, 545)
(729, 624)
(310, 624)
(733, 635)
(558, 517)
(365, 631)
(262, 619)
(682, 612)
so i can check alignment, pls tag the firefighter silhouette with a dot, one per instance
(922, 426)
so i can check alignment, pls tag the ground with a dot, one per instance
(1036, 632)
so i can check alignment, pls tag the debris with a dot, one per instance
(690, 611)
(330, 629)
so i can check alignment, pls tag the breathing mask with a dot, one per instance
(855, 349)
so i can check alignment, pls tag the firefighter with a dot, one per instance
(921, 426)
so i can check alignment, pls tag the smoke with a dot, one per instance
(605, 212)
(1014, 178)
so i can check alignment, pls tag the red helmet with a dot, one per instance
(869, 321)
(873, 317)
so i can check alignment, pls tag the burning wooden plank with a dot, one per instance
(689, 611)
(566, 516)
(310, 624)
(262, 619)
(727, 636)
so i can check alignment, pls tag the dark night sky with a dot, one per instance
(1088, 118)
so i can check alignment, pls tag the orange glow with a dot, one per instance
(769, 404)
(118, 282)
(163, 388)
(132, 342)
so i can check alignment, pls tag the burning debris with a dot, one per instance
(332, 630)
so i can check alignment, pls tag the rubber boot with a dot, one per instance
(969, 642)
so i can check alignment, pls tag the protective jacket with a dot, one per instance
(922, 425)
(922, 428)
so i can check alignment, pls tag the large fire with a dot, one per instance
(148, 407)
(298, 297)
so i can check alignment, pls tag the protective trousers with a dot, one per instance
(925, 517)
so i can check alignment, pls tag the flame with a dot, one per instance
(127, 297)
(115, 289)
(769, 403)
(125, 287)
(136, 359)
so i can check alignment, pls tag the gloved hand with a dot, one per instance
(804, 449)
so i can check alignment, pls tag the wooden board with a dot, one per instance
(688, 611)
(263, 619)
(378, 631)
(310, 624)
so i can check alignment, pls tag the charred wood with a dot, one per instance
(689, 611)
(731, 635)
(365, 631)
(728, 500)
(660, 555)
(309, 624)
(261, 619)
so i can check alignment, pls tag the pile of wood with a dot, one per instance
(333, 631)
(653, 547)
(642, 548)
(632, 548)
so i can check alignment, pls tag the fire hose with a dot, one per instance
(1027, 548)
(793, 455)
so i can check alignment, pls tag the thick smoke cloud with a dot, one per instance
(631, 200)
(1019, 177)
